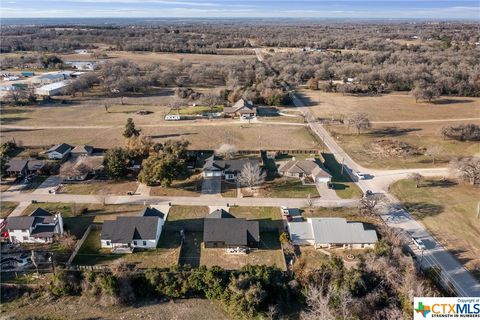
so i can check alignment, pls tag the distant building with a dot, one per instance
(16, 167)
(125, 234)
(53, 89)
(51, 78)
(82, 150)
(332, 233)
(173, 117)
(59, 152)
(82, 65)
(221, 230)
(81, 51)
(39, 227)
(241, 108)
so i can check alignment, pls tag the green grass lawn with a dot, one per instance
(165, 255)
(6, 207)
(448, 210)
(191, 187)
(229, 190)
(268, 217)
(200, 110)
(287, 188)
(342, 184)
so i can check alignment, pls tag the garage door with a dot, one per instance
(213, 174)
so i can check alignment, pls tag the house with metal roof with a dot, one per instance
(305, 169)
(39, 227)
(124, 234)
(332, 233)
(59, 152)
(222, 230)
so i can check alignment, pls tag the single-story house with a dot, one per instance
(221, 230)
(52, 89)
(17, 167)
(241, 108)
(82, 65)
(229, 169)
(59, 152)
(37, 166)
(127, 233)
(82, 150)
(39, 227)
(305, 169)
(331, 233)
(78, 168)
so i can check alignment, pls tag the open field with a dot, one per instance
(448, 210)
(164, 256)
(269, 253)
(100, 187)
(390, 116)
(77, 308)
(208, 135)
(6, 207)
(190, 187)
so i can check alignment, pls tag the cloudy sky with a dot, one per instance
(436, 9)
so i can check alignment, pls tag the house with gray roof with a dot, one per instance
(126, 233)
(305, 169)
(222, 230)
(59, 152)
(16, 167)
(241, 108)
(229, 169)
(39, 227)
(332, 233)
(82, 150)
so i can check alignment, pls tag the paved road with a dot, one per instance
(192, 201)
(397, 217)
(211, 186)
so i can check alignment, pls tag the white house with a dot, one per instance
(59, 152)
(125, 234)
(52, 89)
(332, 233)
(39, 227)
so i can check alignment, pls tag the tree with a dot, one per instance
(462, 132)
(16, 96)
(318, 299)
(368, 204)
(417, 177)
(161, 169)
(3, 162)
(434, 152)
(467, 169)
(138, 147)
(251, 175)
(210, 100)
(359, 120)
(130, 130)
(116, 163)
(424, 90)
(227, 151)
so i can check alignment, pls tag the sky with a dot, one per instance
(418, 9)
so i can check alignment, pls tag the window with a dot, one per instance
(134, 243)
(25, 238)
(13, 238)
(144, 243)
(108, 242)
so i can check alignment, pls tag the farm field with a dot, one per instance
(202, 135)
(390, 115)
(448, 211)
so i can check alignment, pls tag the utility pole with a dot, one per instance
(478, 210)
(343, 164)
(323, 144)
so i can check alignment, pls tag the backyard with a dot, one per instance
(448, 210)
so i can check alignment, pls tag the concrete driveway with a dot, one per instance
(48, 184)
(211, 186)
(325, 192)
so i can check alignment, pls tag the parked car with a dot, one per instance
(284, 210)
(369, 193)
(419, 243)
(330, 185)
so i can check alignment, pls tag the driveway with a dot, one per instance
(325, 192)
(48, 184)
(211, 186)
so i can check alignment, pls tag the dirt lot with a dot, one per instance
(448, 210)
(79, 308)
(400, 108)
(269, 253)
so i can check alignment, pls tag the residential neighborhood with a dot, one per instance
(215, 160)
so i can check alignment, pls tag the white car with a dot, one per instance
(284, 210)
(419, 243)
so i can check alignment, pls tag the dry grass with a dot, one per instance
(190, 187)
(287, 188)
(100, 187)
(78, 308)
(448, 210)
(202, 135)
(269, 253)
(6, 207)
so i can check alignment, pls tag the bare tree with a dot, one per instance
(434, 152)
(318, 299)
(271, 313)
(368, 204)
(309, 203)
(226, 151)
(251, 175)
(359, 120)
(210, 100)
(417, 177)
(467, 169)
